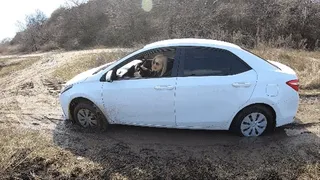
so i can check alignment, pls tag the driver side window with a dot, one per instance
(155, 63)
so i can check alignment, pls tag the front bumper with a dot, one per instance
(64, 103)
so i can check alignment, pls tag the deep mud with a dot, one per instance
(151, 153)
(29, 100)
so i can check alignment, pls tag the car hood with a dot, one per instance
(84, 75)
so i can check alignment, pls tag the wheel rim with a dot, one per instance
(254, 124)
(87, 118)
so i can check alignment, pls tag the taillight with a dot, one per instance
(294, 84)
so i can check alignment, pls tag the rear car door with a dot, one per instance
(212, 85)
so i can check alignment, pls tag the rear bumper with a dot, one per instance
(287, 109)
(285, 121)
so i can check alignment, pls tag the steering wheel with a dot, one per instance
(138, 66)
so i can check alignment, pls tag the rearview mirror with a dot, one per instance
(109, 76)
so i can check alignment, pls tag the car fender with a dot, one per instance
(95, 97)
(256, 100)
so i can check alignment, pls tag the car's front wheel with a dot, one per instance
(253, 121)
(88, 116)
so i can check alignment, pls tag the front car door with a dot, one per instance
(143, 101)
(212, 85)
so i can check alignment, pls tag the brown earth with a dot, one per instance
(35, 143)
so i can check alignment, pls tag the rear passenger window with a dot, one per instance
(212, 62)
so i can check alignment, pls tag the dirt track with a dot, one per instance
(29, 100)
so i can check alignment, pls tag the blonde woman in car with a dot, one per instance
(158, 67)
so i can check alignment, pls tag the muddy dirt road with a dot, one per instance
(29, 100)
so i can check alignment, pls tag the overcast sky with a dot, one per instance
(13, 10)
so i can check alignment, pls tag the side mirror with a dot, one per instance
(109, 76)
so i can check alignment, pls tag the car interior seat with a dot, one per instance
(169, 68)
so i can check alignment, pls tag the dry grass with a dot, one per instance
(309, 111)
(306, 64)
(10, 65)
(311, 171)
(85, 62)
(28, 154)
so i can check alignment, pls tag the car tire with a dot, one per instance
(90, 117)
(253, 121)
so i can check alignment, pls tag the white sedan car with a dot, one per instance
(186, 84)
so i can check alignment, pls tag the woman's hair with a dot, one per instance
(164, 61)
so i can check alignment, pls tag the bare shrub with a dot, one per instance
(4, 44)
(50, 46)
(273, 23)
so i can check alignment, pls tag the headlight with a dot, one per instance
(66, 88)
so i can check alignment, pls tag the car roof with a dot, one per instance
(191, 42)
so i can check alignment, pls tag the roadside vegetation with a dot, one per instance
(108, 23)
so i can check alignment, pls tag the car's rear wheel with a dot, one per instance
(88, 116)
(253, 121)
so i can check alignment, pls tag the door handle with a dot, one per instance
(241, 84)
(164, 87)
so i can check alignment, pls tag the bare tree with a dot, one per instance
(74, 3)
(32, 33)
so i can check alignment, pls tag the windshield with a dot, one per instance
(109, 64)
